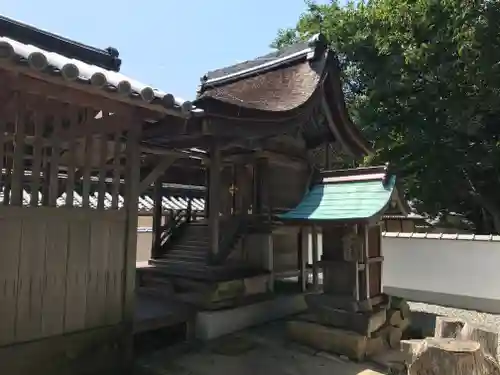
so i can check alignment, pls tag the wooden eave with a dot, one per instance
(335, 110)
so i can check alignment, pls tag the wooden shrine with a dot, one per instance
(346, 207)
(253, 143)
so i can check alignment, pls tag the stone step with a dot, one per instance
(201, 271)
(185, 257)
(188, 241)
(195, 253)
(194, 237)
(150, 281)
(188, 248)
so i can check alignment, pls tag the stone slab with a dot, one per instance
(213, 324)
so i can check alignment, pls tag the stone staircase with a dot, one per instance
(189, 254)
(187, 271)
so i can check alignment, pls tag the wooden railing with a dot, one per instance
(232, 230)
(175, 221)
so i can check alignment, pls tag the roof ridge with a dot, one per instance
(316, 47)
(25, 33)
(356, 171)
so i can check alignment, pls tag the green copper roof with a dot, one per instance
(354, 200)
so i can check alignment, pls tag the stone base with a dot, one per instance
(221, 294)
(347, 303)
(323, 311)
(363, 323)
(213, 324)
(339, 341)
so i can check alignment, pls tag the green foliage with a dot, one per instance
(422, 79)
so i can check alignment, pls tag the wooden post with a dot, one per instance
(214, 197)
(265, 188)
(157, 214)
(131, 210)
(207, 192)
(270, 261)
(256, 188)
(357, 269)
(315, 265)
(189, 209)
(366, 246)
(234, 189)
(303, 254)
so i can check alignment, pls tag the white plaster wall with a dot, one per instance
(455, 267)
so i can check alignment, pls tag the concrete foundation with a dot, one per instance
(213, 324)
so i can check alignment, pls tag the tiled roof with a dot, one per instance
(443, 236)
(341, 197)
(47, 62)
(146, 203)
(105, 58)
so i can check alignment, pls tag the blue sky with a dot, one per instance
(168, 44)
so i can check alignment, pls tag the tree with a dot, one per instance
(422, 79)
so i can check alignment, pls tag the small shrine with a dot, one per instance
(348, 314)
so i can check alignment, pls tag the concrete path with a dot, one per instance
(260, 350)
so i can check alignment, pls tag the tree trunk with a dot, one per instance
(448, 328)
(394, 317)
(404, 324)
(391, 335)
(405, 310)
(411, 349)
(441, 356)
(486, 338)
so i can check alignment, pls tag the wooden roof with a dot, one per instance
(359, 194)
(299, 85)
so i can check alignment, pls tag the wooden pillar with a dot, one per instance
(214, 197)
(234, 190)
(315, 265)
(207, 192)
(131, 210)
(157, 215)
(366, 257)
(265, 188)
(257, 187)
(356, 276)
(190, 209)
(303, 254)
(270, 261)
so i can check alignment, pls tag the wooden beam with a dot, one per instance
(157, 171)
(333, 126)
(214, 196)
(181, 142)
(157, 150)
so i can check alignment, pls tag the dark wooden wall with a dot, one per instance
(287, 185)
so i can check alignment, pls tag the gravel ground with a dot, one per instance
(491, 321)
(471, 316)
